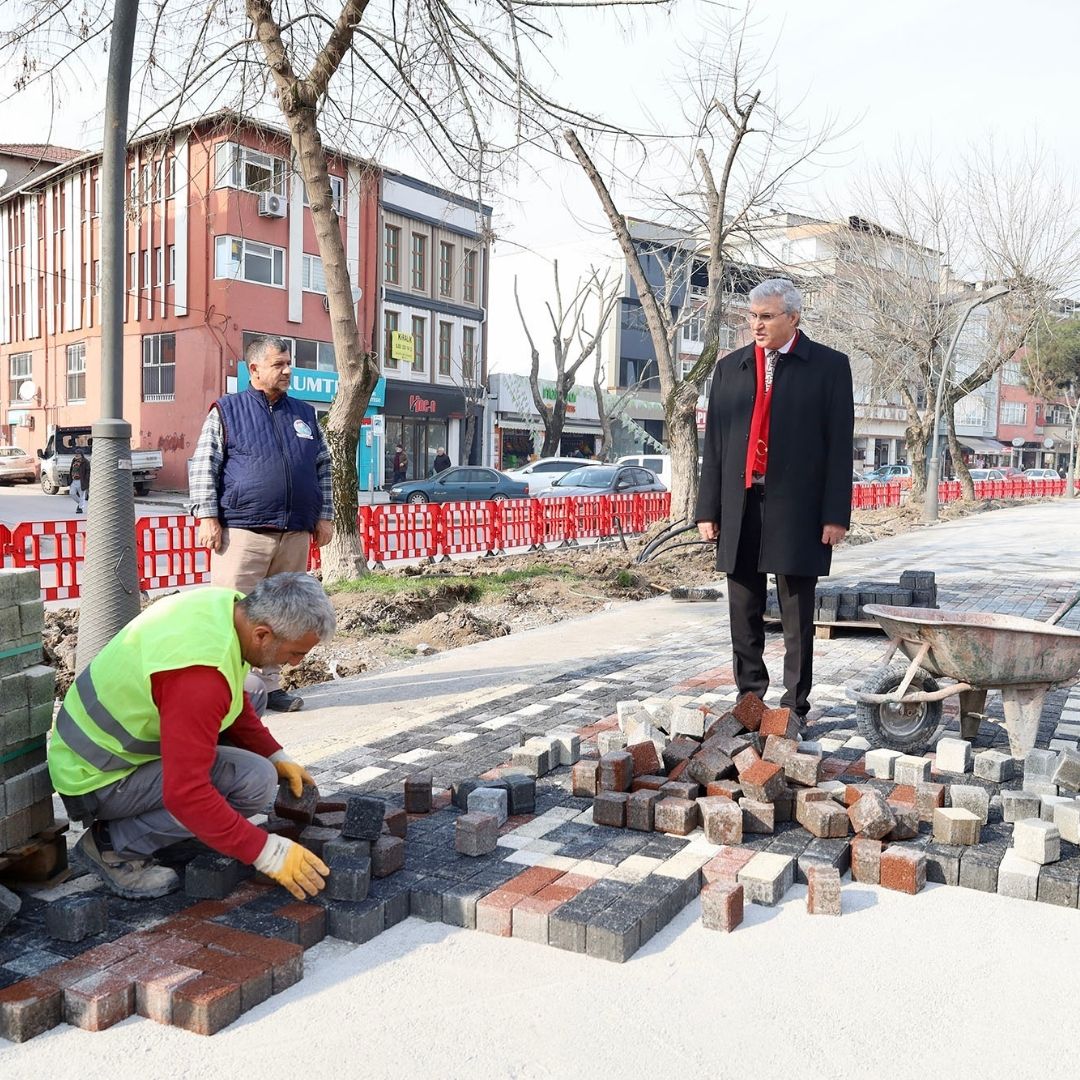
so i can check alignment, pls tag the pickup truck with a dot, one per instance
(59, 451)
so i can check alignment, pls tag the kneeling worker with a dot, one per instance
(157, 742)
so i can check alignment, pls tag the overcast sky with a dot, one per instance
(938, 74)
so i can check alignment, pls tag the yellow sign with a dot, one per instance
(401, 346)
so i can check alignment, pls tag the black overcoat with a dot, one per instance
(808, 477)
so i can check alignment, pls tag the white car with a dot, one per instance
(541, 474)
(657, 463)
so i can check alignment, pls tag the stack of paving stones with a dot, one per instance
(555, 876)
(27, 689)
(846, 603)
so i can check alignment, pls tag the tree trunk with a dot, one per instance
(915, 438)
(1070, 483)
(967, 486)
(680, 415)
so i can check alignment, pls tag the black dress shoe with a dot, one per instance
(283, 701)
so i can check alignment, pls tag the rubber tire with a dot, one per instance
(142, 487)
(49, 487)
(499, 497)
(417, 498)
(874, 727)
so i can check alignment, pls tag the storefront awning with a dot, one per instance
(982, 446)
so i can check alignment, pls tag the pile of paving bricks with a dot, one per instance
(846, 603)
(26, 711)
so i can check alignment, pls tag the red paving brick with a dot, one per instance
(311, 919)
(493, 912)
(206, 1004)
(531, 881)
(27, 1008)
(153, 990)
(100, 1000)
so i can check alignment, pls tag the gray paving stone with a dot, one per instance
(1018, 877)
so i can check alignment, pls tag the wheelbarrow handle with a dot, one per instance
(1064, 609)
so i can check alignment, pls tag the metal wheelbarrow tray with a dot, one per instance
(900, 707)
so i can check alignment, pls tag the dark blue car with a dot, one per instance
(467, 483)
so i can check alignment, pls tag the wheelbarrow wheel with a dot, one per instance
(910, 727)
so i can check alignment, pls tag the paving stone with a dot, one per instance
(943, 863)
(956, 826)
(300, 809)
(418, 792)
(74, 918)
(871, 816)
(749, 710)
(910, 770)
(780, 722)
(608, 741)
(835, 853)
(615, 933)
(535, 757)
(979, 868)
(1058, 885)
(744, 759)
(521, 792)
(1067, 771)
(722, 820)
(568, 745)
(678, 752)
(363, 818)
(211, 876)
(646, 759)
(903, 868)
(778, 749)
(1018, 805)
(975, 799)
(928, 797)
(724, 867)
(349, 878)
(425, 900)
(476, 834)
(1067, 820)
(1039, 769)
(880, 763)
(489, 800)
(824, 818)
(1048, 805)
(906, 825)
(357, 849)
(953, 755)
(721, 906)
(616, 771)
(804, 769)
(1037, 841)
(10, 904)
(640, 809)
(1018, 877)
(766, 878)
(763, 781)
(687, 722)
(387, 856)
(677, 816)
(707, 766)
(823, 891)
(206, 1004)
(648, 783)
(584, 778)
(28, 1008)
(758, 817)
(396, 822)
(995, 766)
(609, 808)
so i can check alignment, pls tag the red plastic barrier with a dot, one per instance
(56, 549)
(467, 527)
(629, 512)
(403, 532)
(168, 553)
(656, 505)
(519, 523)
(592, 516)
(5, 546)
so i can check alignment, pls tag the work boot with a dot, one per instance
(283, 701)
(132, 877)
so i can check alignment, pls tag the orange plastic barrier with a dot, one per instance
(655, 506)
(592, 516)
(403, 532)
(467, 527)
(56, 549)
(559, 520)
(519, 524)
(168, 553)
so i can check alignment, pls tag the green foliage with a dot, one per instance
(1059, 355)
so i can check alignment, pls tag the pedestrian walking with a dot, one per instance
(775, 491)
(442, 460)
(399, 467)
(80, 481)
(260, 486)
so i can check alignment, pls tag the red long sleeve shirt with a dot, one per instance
(191, 702)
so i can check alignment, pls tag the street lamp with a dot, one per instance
(933, 465)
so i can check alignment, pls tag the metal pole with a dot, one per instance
(110, 585)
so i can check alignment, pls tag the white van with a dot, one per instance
(658, 463)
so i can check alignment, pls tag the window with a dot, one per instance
(76, 372)
(312, 278)
(1013, 412)
(159, 367)
(694, 328)
(96, 196)
(468, 354)
(145, 189)
(446, 268)
(95, 277)
(419, 262)
(132, 283)
(469, 283)
(306, 354)
(249, 170)
(391, 323)
(419, 333)
(19, 368)
(245, 260)
(337, 193)
(171, 280)
(159, 266)
(1011, 375)
(146, 270)
(446, 331)
(170, 177)
(392, 255)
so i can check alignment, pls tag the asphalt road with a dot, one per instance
(27, 502)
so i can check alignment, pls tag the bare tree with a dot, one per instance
(1054, 373)
(569, 339)
(737, 153)
(452, 81)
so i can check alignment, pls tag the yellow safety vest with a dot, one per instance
(108, 724)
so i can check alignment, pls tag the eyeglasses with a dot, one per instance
(752, 317)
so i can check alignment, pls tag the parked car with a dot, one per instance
(466, 483)
(884, 473)
(544, 472)
(656, 463)
(1009, 470)
(17, 464)
(987, 474)
(604, 480)
(1041, 474)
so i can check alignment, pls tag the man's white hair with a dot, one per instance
(783, 290)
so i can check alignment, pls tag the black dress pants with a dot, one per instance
(747, 591)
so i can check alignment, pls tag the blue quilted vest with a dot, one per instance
(269, 480)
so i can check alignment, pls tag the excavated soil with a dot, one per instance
(381, 630)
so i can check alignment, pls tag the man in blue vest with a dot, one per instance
(260, 486)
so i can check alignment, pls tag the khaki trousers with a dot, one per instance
(246, 557)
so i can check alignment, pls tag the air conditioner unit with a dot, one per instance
(272, 205)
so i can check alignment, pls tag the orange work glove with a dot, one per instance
(295, 774)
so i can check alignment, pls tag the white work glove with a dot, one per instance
(292, 866)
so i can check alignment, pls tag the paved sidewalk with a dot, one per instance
(898, 987)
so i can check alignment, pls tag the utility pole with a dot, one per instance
(110, 585)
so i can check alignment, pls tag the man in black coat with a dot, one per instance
(775, 490)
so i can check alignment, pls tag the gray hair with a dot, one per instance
(292, 605)
(781, 288)
(262, 347)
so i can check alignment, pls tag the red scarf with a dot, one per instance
(757, 450)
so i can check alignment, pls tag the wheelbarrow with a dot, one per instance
(899, 706)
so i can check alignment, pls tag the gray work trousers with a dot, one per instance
(134, 807)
